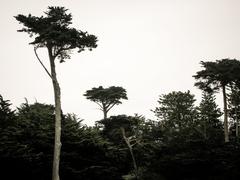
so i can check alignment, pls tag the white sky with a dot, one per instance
(149, 47)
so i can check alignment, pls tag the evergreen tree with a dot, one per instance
(53, 33)
(7, 116)
(8, 128)
(218, 75)
(106, 98)
(177, 114)
(210, 124)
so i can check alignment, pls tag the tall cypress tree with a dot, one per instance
(52, 32)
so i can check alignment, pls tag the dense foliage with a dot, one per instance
(54, 32)
(162, 150)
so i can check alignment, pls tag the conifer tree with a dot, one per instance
(52, 32)
(218, 75)
(210, 115)
(106, 98)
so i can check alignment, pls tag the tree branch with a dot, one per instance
(101, 107)
(108, 108)
(57, 52)
(35, 51)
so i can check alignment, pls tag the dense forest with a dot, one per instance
(187, 141)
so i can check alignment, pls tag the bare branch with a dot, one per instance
(57, 52)
(101, 107)
(108, 108)
(35, 51)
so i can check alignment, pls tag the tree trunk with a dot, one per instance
(226, 135)
(131, 152)
(57, 98)
(104, 114)
(104, 111)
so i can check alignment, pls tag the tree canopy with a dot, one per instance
(176, 110)
(150, 151)
(53, 31)
(106, 98)
(217, 74)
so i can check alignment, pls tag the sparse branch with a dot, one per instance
(101, 107)
(35, 51)
(57, 52)
(108, 108)
(137, 142)
(109, 103)
(131, 151)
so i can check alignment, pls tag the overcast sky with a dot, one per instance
(149, 47)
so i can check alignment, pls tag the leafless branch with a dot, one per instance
(35, 51)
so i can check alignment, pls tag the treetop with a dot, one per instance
(111, 94)
(53, 31)
(217, 74)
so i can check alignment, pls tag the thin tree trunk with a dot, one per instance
(57, 98)
(226, 135)
(131, 152)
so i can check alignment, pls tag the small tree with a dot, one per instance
(176, 110)
(209, 113)
(53, 33)
(125, 130)
(106, 98)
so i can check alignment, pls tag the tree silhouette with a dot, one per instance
(52, 31)
(176, 110)
(209, 112)
(218, 75)
(106, 98)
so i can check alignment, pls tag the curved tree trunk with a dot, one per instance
(57, 98)
(226, 135)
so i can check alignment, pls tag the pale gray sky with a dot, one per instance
(149, 47)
